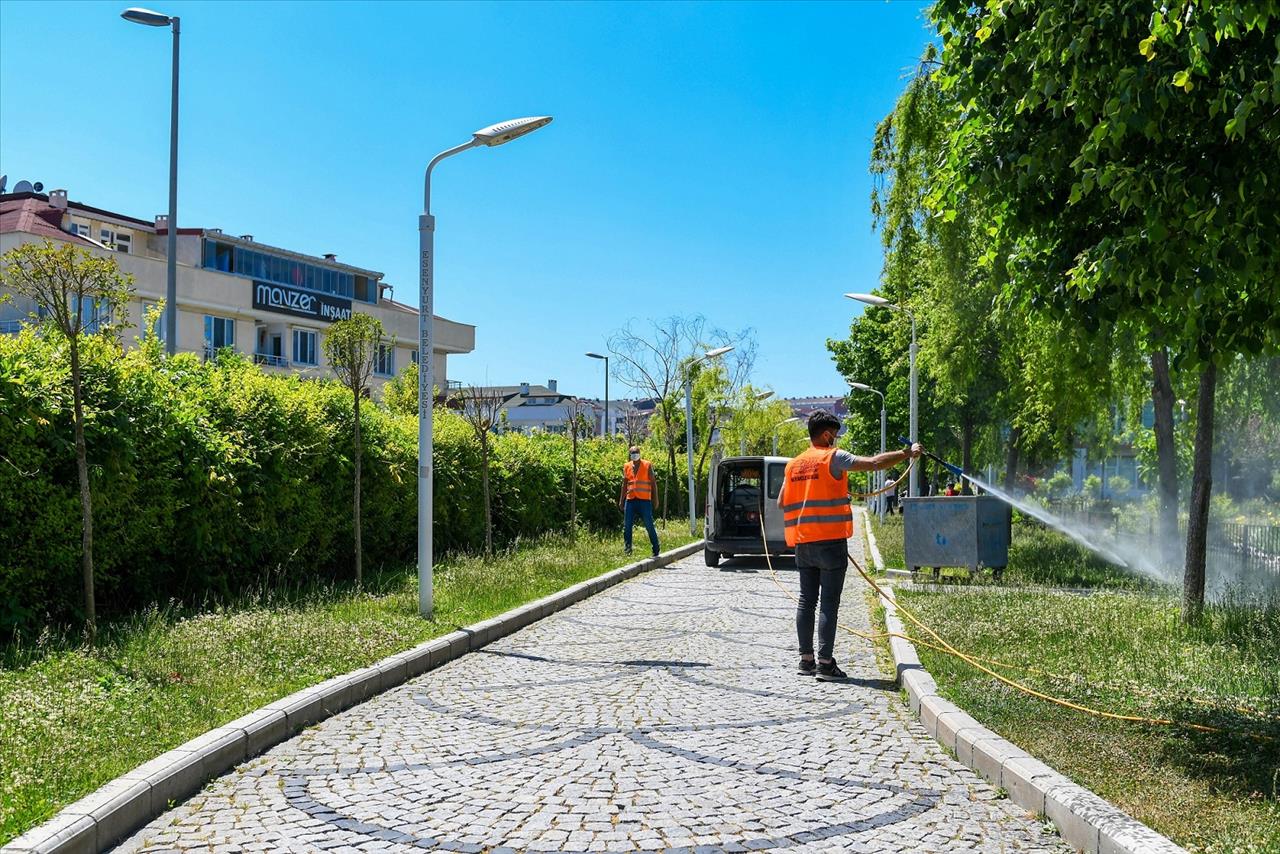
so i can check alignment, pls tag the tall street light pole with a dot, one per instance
(791, 420)
(155, 19)
(608, 428)
(688, 426)
(879, 475)
(490, 136)
(742, 440)
(913, 487)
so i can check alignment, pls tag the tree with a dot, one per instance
(578, 425)
(351, 346)
(74, 292)
(654, 361)
(1127, 155)
(482, 410)
(400, 393)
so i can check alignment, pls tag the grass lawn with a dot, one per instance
(73, 717)
(1122, 648)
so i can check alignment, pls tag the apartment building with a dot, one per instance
(270, 303)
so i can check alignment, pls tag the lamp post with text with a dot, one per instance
(879, 475)
(688, 425)
(608, 429)
(792, 420)
(490, 136)
(742, 440)
(913, 488)
(148, 18)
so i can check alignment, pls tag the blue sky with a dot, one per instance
(705, 158)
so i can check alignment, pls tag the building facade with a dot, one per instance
(269, 303)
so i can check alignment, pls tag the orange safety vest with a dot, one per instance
(817, 504)
(639, 478)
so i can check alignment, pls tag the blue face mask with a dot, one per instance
(635, 457)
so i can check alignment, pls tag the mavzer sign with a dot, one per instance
(286, 300)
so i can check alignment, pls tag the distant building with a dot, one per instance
(269, 303)
(527, 408)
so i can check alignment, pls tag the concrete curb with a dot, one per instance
(99, 820)
(1083, 819)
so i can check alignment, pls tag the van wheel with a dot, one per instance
(712, 558)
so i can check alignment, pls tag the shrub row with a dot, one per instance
(212, 478)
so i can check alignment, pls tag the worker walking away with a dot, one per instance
(639, 491)
(818, 521)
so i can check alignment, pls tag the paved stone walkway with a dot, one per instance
(661, 714)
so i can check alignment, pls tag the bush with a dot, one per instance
(212, 478)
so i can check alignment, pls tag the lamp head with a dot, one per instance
(597, 356)
(146, 16)
(860, 386)
(870, 299)
(764, 395)
(719, 351)
(509, 130)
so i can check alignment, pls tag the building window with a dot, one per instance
(219, 332)
(157, 328)
(385, 362)
(304, 346)
(413, 356)
(121, 241)
(285, 271)
(94, 314)
(80, 228)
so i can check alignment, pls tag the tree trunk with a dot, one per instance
(966, 444)
(356, 502)
(1193, 576)
(86, 502)
(484, 488)
(1011, 461)
(1166, 457)
(573, 491)
(671, 474)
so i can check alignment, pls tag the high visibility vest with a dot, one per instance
(817, 504)
(639, 477)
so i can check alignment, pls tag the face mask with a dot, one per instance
(635, 457)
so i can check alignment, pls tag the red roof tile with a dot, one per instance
(33, 216)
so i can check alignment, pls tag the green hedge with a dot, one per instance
(214, 478)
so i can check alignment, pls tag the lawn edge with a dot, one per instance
(124, 805)
(1084, 820)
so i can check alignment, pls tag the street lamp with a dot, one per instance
(608, 429)
(871, 299)
(880, 475)
(742, 440)
(688, 424)
(792, 420)
(490, 136)
(155, 19)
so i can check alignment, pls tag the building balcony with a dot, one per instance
(268, 359)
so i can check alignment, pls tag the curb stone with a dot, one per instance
(1084, 820)
(102, 818)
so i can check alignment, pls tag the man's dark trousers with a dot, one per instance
(822, 568)
(644, 509)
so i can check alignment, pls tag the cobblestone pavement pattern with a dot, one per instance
(662, 714)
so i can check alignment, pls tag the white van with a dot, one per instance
(740, 490)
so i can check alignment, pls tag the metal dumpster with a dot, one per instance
(956, 530)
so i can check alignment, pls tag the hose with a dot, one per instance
(942, 646)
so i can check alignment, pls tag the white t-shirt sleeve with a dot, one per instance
(841, 461)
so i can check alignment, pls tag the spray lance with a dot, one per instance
(955, 470)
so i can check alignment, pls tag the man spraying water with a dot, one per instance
(818, 520)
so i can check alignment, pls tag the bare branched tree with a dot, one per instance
(635, 426)
(578, 425)
(351, 346)
(75, 292)
(482, 409)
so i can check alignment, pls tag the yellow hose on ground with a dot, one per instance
(974, 661)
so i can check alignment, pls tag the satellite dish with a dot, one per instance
(4, 179)
(22, 187)
(38, 187)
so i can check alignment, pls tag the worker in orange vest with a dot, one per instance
(818, 521)
(639, 491)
